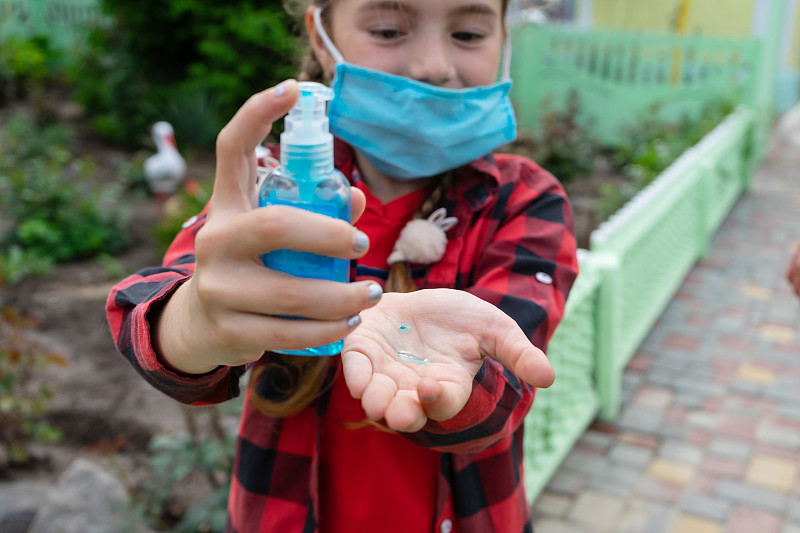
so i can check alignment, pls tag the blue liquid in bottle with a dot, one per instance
(306, 179)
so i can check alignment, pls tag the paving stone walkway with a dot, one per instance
(708, 437)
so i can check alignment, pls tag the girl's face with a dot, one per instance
(448, 43)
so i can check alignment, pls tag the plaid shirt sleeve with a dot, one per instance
(130, 307)
(525, 264)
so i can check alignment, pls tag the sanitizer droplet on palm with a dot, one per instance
(405, 355)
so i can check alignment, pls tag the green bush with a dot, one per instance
(188, 458)
(185, 203)
(564, 147)
(25, 64)
(51, 210)
(189, 62)
(115, 96)
(651, 145)
(23, 399)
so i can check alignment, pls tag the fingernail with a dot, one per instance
(430, 399)
(374, 293)
(353, 321)
(280, 89)
(360, 241)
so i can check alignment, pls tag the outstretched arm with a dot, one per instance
(793, 271)
(491, 337)
(415, 356)
(213, 306)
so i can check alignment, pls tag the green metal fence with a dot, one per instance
(63, 21)
(563, 411)
(637, 261)
(655, 239)
(619, 76)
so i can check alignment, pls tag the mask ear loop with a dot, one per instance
(506, 74)
(337, 56)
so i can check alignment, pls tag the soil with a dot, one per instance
(102, 405)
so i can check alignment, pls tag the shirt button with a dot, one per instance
(447, 526)
(544, 277)
(189, 222)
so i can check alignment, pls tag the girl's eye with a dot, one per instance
(387, 34)
(467, 36)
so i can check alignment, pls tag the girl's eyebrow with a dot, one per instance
(385, 5)
(476, 8)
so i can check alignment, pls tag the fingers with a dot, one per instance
(236, 143)
(279, 227)
(257, 290)
(357, 369)
(504, 340)
(441, 400)
(242, 333)
(359, 202)
(378, 394)
(405, 413)
(400, 409)
(793, 272)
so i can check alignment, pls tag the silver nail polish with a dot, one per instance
(360, 241)
(374, 293)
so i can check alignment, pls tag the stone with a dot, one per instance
(18, 504)
(777, 333)
(679, 451)
(597, 511)
(775, 435)
(772, 472)
(708, 507)
(671, 471)
(550, 525)
(755, 374)
(690, 524)
(85, 499)
(748, 520)
(731, 448)
(751, 495)
(552, 505)
(631, 455)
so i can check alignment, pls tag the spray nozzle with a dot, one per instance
(307, 122)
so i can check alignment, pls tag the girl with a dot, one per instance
(370, 441)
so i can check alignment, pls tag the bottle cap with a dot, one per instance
(307, 122)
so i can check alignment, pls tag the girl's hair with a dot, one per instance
(285, 385)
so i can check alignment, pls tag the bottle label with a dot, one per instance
(306, 264)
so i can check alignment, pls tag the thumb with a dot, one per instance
(236, 144)
(506, 342)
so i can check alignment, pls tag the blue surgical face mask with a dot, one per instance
(408, 129)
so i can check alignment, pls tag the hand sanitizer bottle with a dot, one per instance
(306, 179)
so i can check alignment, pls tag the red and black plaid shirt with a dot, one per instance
(514, 247)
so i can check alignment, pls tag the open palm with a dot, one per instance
(415, 355)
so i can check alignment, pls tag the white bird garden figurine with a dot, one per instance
(166, 169)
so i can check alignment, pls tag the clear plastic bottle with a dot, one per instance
(306, 179)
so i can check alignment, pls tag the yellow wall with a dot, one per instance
(793, 57)
(709, 17)
(721, 17)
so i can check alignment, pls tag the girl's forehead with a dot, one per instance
(488, 7)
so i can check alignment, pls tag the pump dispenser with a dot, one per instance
(306, 179)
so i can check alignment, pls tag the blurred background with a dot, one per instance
(656, 115)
